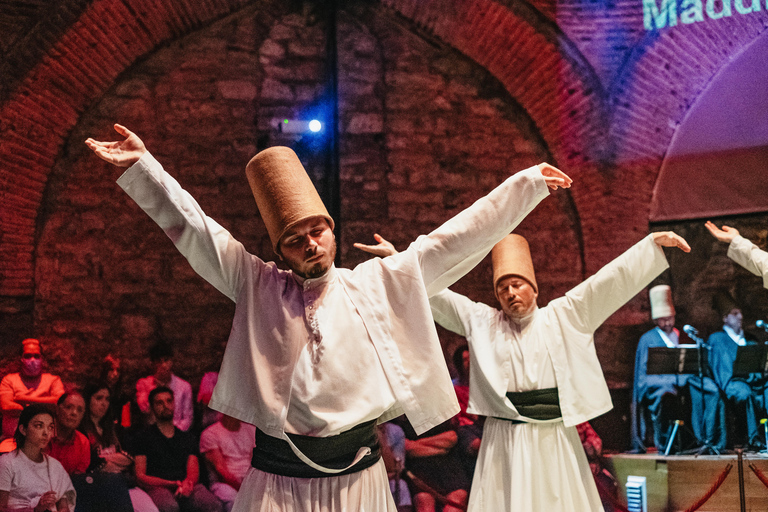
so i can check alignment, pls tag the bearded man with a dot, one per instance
(317, 355)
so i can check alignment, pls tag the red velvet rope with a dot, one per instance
(718, 482)
(607, 494)
(759, 474)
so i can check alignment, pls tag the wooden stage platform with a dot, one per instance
(676, 482)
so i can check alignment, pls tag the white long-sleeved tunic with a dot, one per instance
(749, 256)
(272, 327)
(540, 465)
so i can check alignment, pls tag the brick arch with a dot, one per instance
(663, 76)
(108, 37)
(535, 62)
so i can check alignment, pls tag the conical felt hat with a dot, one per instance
(283, 191)
(512, 257)
(661, 301)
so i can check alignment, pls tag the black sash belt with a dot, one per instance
(275, 456)
(539, 404)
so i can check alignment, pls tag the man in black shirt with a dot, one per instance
(166, 462)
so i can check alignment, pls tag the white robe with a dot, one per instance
(749, 256)
(541, 465)
(278, 318)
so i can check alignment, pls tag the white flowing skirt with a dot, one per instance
(364, 491)
(532, 467)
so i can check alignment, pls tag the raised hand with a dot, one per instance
(670, 239)
(383, 249)
(554, 177)
(727, 234)
(122, 153)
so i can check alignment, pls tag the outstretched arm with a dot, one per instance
(383, 249)
(589, 304)
(453, 249)
(122, 153)
(211, 250)
(742, 251)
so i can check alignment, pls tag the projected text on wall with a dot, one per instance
(657, 16)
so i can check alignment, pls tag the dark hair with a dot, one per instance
(458, 359)
(157, 391)
(108, 435)
(68, 394)
(160, 350)
(26, 416)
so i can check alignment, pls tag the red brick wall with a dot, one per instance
(439, 102)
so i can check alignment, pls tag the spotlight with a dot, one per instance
(297, 127)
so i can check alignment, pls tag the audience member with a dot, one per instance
(29, 386)
(166, 461)
(107, 455)
(161, 355)
(746, 392)
(69, 446)
(227, 447)
(119, 404)
(470, 429)
(392, 440)
(433, 459)
(29, 479)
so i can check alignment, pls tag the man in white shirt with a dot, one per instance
(317, 352)
(227, 447)
(748, 393)
(742, 251)
(535, 374)
(161, 355)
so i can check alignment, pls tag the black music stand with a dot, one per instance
(681, 360)
(751, 359)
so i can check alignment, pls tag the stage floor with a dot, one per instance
(676, 482)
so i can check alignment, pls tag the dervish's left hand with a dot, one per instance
(382, 250)
(727, 234)
(554, 177)
(670, 239)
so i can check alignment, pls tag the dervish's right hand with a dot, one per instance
(554, 177)
(122, 153)
(382, 250)
(727, 234)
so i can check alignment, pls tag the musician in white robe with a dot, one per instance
(742, 251)
(534, 372)
(317, 354)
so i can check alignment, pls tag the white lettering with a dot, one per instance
(742, 9)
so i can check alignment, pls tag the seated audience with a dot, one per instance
(470, 429)
(432, 458)
(29, 386)
(107, 455)
(161, 355)
(29, 479)
(69, 446)
(227, 447)
(166, 461)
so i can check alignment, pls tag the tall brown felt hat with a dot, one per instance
(512, 257)
(661, 301)
(283, 191)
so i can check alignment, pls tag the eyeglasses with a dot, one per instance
(32, 356)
